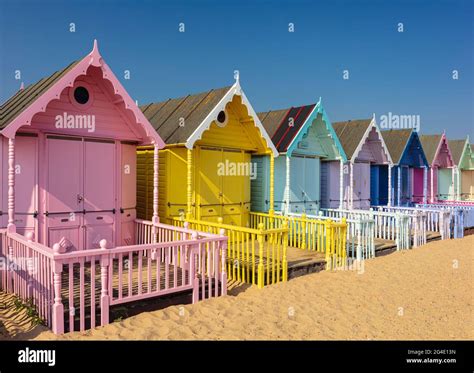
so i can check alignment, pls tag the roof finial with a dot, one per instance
(22, 86)
(237, 88)
(373, 116)
(320, 100)
(95, 55)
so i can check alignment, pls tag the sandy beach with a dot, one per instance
(424, 293)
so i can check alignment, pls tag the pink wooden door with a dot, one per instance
(3, 185)
(99, 192)
(64, 198)
(418, 177)
(25, 184)
(128, 183)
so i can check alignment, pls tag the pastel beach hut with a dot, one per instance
(68, 155)
(439, 157)
(463, 157)
(205, 168)
(367, 177)
(205, 177)
(308, 147)
(410, 168)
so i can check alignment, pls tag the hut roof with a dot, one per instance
(351, 133)
(396, 141)
(22, 99)
(167, 116)
(430, 145)
(284, 125)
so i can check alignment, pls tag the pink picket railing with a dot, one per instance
(27, 272)
(454, 202)
(87, 283)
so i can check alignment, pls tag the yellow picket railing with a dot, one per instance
(254, 255)
(322, 235)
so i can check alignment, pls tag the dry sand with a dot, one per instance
(425, 293)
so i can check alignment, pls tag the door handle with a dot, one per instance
(79, 198)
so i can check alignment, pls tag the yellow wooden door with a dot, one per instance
(246, 193)
(233, 180)
(210, 185)
(176, 192)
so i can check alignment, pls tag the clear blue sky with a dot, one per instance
(402, 73)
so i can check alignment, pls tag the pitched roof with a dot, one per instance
(284, 125)
(430, 144)
(166, 116)
(396, 141)
(350, 134)
(457, 149)
(22, 99)
(272, 119)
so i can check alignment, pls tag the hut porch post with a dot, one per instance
(287, 186)
(11, 227)
(425, 184)
(271, 210)
(389, 203)
(452, 195)
(351, 185)
(189, 184)
(341, 185)
(458, 186)
(399, 185)
(432, 184)
(155, 219)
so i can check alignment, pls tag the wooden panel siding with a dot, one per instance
(260, 185)
(280, 183)
(109, 120)
(239, 132)
(445, 185)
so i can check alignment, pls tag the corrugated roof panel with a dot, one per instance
(272, 119)
(298, 122)
(284, 125)
(165, 116)
(21, 100)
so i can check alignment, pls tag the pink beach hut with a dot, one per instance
(440, 159)
(71, 139)
(68, 157)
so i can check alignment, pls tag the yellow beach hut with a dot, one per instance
(205, 169)
(205, 172)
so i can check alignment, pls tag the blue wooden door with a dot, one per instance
(383, 185)
(297, 184)
(374, 185)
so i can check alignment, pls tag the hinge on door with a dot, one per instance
(35, 214)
